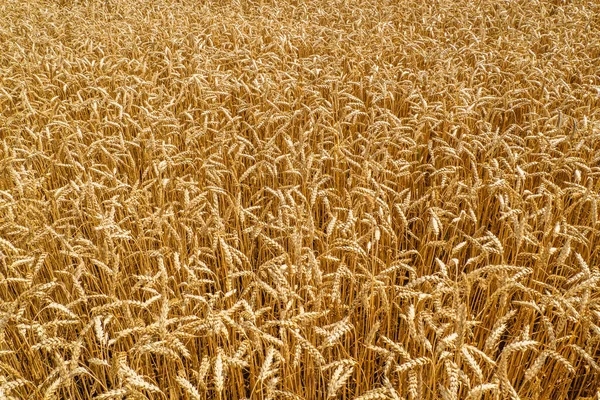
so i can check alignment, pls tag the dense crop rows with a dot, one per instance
(319, 199)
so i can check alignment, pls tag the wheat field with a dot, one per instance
(321, 199)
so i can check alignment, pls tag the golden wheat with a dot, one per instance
(306, 200)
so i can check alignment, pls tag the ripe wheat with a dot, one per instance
(259, 199)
